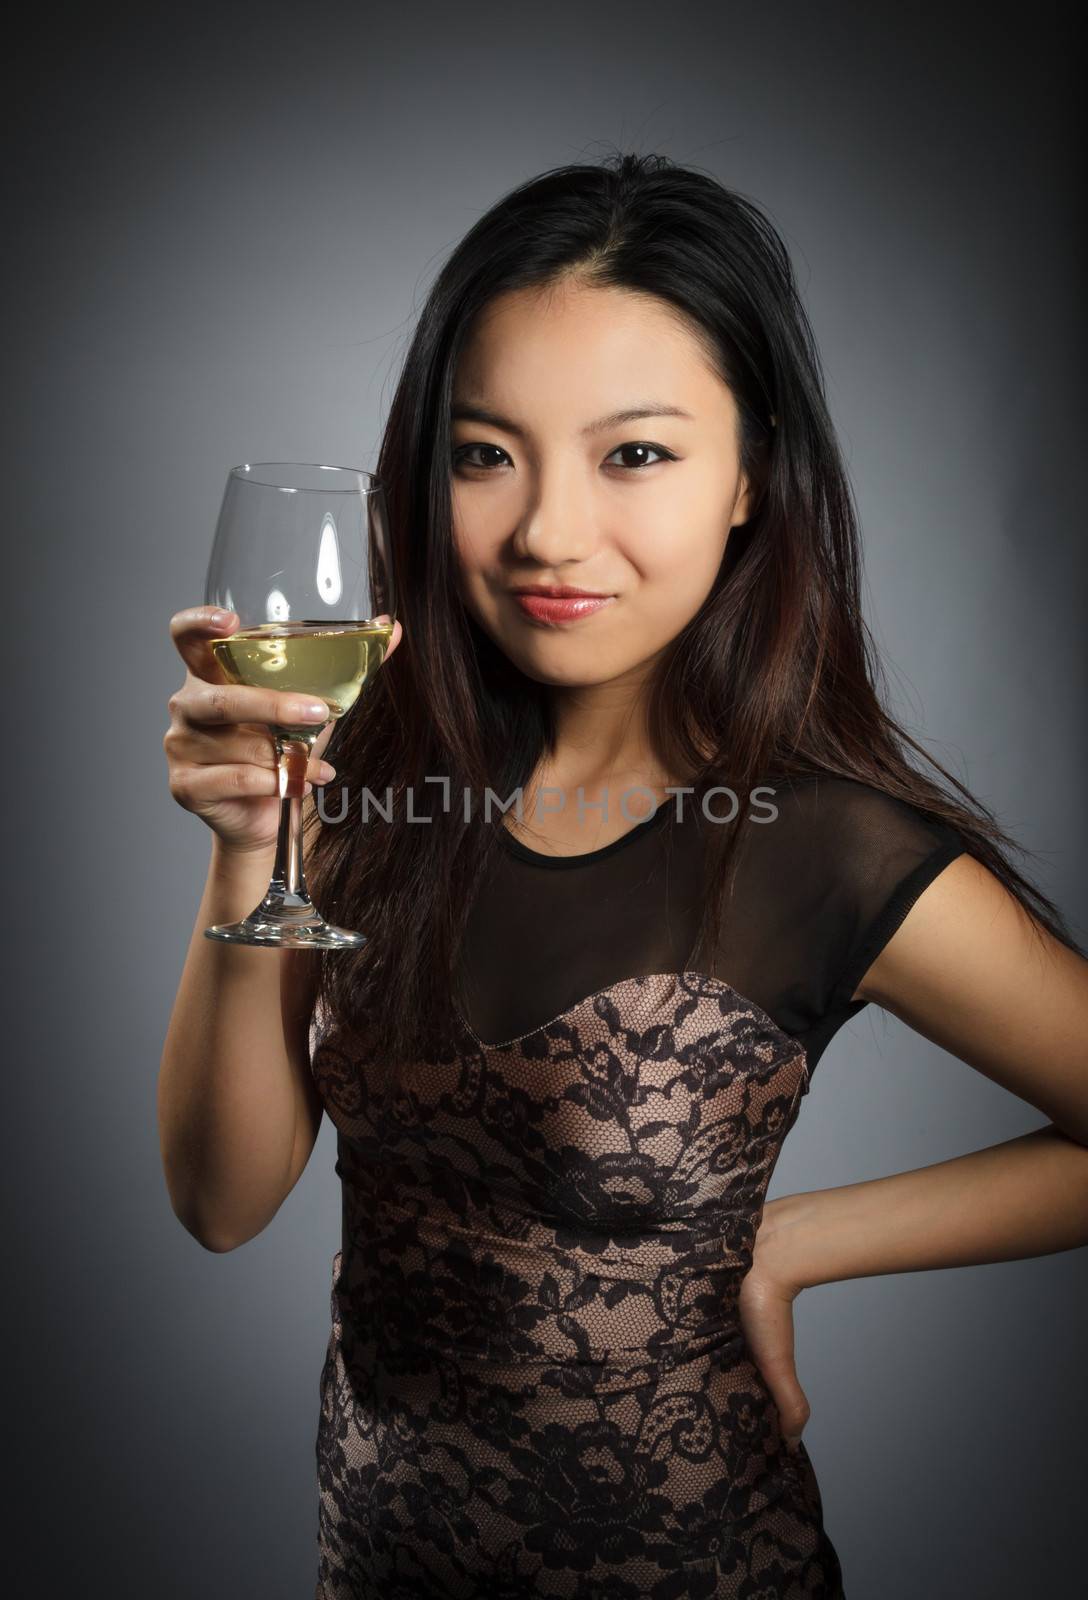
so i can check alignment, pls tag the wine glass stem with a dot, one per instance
(287, 875)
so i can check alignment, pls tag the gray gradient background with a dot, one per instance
(225, 224)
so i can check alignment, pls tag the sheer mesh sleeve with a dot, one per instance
(886, 853)
(820, 889)
(898, 853)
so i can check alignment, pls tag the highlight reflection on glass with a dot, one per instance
(328, 563)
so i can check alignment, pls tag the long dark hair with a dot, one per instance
(776, 677)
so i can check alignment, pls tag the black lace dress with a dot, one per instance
(536, 1382)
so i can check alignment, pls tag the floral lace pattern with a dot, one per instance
(536, 1382)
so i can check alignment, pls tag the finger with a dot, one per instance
(394, 638)
(790, 1400)
(789, 1397)
(216, 704)
(196, 786)
(192, 631)
(236, 743)
(768, 1327)
(320, 744)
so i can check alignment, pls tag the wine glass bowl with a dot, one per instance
(330, 661)
(301, 556)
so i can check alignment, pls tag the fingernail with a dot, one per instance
(220, 618)
(311, 708)
(326, 772)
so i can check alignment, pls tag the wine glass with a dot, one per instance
(301, 553)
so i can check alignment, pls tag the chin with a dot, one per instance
(563, 677)
(568, 669)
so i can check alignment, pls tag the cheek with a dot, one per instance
(677, 555)
(475, 555)
(477, 534)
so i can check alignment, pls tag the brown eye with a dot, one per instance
(654, 449)
(460, 456)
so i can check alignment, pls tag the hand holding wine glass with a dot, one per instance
(220, 751)
(301, 559)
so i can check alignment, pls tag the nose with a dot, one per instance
(559, 525)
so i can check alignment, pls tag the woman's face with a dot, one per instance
(547, 491)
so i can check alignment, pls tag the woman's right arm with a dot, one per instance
(237, 1106)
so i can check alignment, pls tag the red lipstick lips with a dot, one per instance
(558, 602)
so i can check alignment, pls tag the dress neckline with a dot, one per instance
(695, 985)
(538, 858)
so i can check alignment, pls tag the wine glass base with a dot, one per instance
(304, 930)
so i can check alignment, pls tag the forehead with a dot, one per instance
(588, 348)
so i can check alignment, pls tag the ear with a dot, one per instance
(745, 504)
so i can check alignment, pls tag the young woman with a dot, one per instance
(629, 865)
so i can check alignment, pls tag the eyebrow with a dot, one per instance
(467, 411)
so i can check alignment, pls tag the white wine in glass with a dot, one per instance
(330, 660)
(301, 554)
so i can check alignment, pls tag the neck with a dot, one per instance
(603, 744)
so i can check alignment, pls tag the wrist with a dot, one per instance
(231, 865)
(780, 1248)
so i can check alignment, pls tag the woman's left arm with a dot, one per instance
(969, 970)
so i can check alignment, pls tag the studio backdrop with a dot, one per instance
(221, 224)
